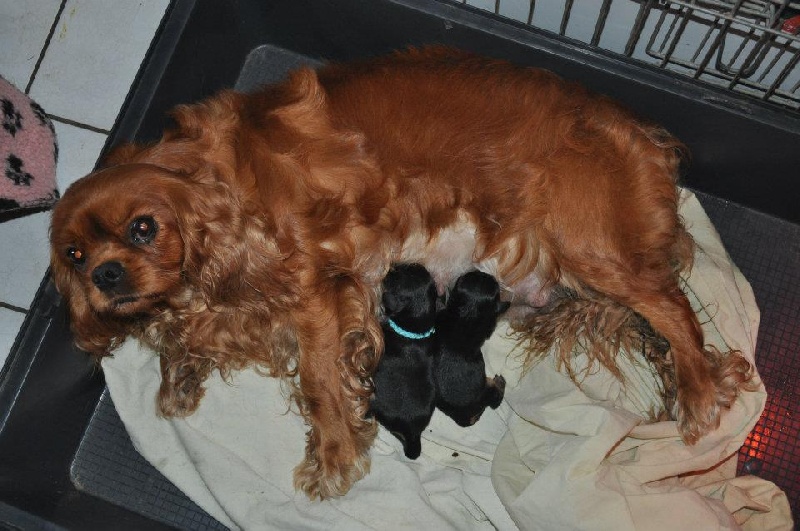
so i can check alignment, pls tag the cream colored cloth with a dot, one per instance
(553, 456)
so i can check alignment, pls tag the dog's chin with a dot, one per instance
(128, 304)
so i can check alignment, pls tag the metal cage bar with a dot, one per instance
(737, 45)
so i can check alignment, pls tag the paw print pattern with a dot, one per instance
(12, 119)
(15, 172)
(41, 115)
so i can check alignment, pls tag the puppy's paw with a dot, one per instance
(497, 387)
(701, 405)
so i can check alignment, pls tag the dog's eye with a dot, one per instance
(76, 256)
(143, 229)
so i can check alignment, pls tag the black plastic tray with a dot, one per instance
(65, 459)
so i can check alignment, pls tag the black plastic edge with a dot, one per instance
(28, 339)
(13, 518)
(148, 78)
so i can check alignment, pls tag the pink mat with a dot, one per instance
(28, 153)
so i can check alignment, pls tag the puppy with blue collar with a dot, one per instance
(405, 390)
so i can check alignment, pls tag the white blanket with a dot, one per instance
(553, 456)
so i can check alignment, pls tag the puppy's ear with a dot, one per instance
(390, 302)
(96, 336)
(502, 307)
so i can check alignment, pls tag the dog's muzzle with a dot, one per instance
(108, 276)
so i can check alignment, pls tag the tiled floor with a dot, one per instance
(77, 59)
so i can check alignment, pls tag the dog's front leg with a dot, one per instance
(181, 385)
(340, 341)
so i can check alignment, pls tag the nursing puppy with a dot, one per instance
(463, 389)
(405, 391)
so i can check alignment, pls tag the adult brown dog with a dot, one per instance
(257, 232)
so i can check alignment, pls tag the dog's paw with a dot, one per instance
(326, 479)
(179, 399)
(697, 411)
(700, 406)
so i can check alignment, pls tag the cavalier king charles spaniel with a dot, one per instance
(256, 232)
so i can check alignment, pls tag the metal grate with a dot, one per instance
(746, 46)
(768, 251)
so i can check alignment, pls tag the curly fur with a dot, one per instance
(600, 329)
(279, 212)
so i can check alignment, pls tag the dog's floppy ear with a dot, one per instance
(390, 302)
(199, 130)
(389, 298)
(229, 255)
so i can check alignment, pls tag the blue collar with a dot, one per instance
(410, 335)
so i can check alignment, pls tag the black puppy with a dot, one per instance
(466, 322)
(405, 391)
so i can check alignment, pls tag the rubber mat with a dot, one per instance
(767, 250)
(108, 467)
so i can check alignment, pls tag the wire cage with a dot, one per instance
(746, 46)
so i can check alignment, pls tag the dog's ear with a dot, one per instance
(199, 129)
(305, 109)
(232, 257)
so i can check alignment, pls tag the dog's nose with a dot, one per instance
(108, 275)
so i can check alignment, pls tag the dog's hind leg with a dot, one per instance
(617, 231)
(707, 381)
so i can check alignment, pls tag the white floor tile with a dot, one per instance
(78, 150)
(9, 326)
(94, 56)
(24, 25)
(25, 257)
